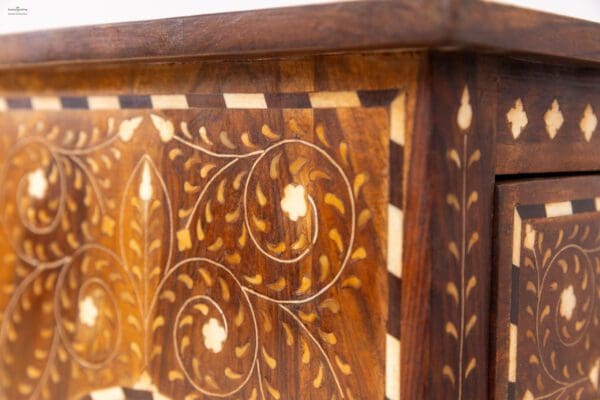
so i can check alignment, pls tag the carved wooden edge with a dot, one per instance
(360, 25)
(516, 202)
(448, 234)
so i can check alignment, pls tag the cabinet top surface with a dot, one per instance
(345, 26)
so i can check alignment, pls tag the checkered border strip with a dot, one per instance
(311, 100)
(395, 233)
(525, 212)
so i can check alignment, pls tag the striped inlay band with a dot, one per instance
(326, 99)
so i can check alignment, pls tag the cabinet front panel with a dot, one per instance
(203, 230)
(548, 294)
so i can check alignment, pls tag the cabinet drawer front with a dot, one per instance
(548, 293)
(204, 229)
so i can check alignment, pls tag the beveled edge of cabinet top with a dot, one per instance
(345, 26)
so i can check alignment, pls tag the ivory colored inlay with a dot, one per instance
(103, 103)
(176, 101)
(568, 302)
(392, 368)
(512, 354)
(145, 191)
(214, 335)
(465, 112)
(45, 103)
(517, 118)
(559, 209)
(398, 120)
(529, 237)
(554, 119)
(334, 99)
(294, 201)
(594, 374)
(588, 122)
(37, 184)
(245, 100)
(394, 258)
(88, 312)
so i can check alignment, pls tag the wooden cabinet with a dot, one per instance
(347, 201)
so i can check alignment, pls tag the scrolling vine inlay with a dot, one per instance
(554, 313)
(199, 253)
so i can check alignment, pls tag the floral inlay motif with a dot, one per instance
(251, 255)
(559, 317)
(463, 201)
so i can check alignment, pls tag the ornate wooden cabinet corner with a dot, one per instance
(330, 205)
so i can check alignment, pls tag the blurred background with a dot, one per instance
(27, 15)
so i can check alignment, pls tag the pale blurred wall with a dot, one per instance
(45, 14)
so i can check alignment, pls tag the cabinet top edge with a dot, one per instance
(334, 27)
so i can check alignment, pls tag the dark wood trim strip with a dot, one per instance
(396, 174)
(529, 211)
(68, 102)
(583, 206)
(395, 298)
(18, 103)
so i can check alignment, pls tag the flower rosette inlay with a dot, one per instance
(54, 181)
(290, 209)
(88, 307)
(79, 315)
(34, 201)
(212, 334)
